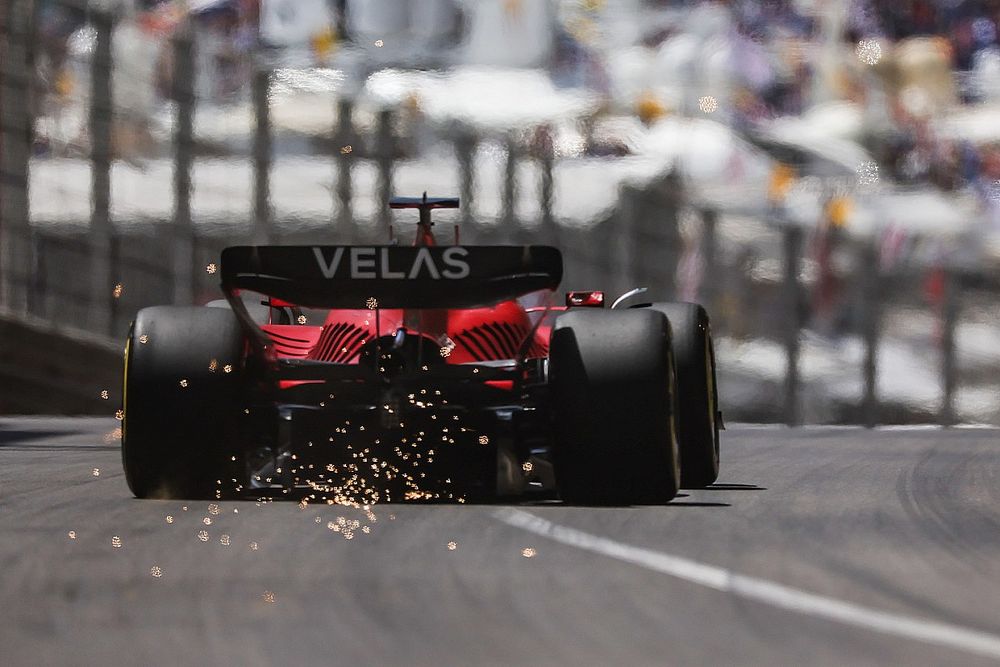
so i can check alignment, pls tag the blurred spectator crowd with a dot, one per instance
(907, 64)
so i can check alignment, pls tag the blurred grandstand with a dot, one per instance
(824, 175)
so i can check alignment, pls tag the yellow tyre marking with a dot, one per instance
(128, 345)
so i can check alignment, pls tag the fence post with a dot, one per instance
(16, 128)
(465, 151)
(385, 150)
(870, 291)
(709, 243)
(345, 149)
(101, 126)
(622, 231)
(114, 259)
(183, 93)
(546, 163)
(509, 196)
(949, 371)
(793, 253)
(39, 288)
(262, 232)
(658, 224)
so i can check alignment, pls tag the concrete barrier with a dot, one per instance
(49, 369)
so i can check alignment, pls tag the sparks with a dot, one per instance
(869, 51)
(708, 104)
(867, 173)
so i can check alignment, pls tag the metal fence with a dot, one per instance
(782, 306)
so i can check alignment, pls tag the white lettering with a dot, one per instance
(329, 270)
(424, 258)
(357, 263)
(366, 266)
(386, 273)
(460, 266)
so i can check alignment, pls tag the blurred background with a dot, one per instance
(824, 176)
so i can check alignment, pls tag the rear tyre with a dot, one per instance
(179, 409)
(612, 382)
(697, 395)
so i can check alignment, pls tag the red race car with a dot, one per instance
(366, 374)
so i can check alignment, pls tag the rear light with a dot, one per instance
(507, 385)
(585, 299)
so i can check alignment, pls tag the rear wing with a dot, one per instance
(424, 202)
(396, 276)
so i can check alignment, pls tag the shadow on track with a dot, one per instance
(16, 436)
(553, 502)
(56, 448)
(11, 436)
(24, 440)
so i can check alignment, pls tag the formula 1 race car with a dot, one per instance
(368, 374)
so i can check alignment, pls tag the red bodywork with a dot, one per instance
(479, 334)
(491, 333)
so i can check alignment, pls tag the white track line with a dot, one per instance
(761, 590)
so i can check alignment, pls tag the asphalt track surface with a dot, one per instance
(819, 546)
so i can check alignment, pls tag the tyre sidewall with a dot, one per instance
(611, 380)
(697, 398)
(180, 409)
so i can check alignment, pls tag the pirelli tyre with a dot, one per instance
(612, 381)
(697, 395)
(180, 400)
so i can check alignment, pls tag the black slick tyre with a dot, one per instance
(179, 409)
(697, 394)
(612, 382)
